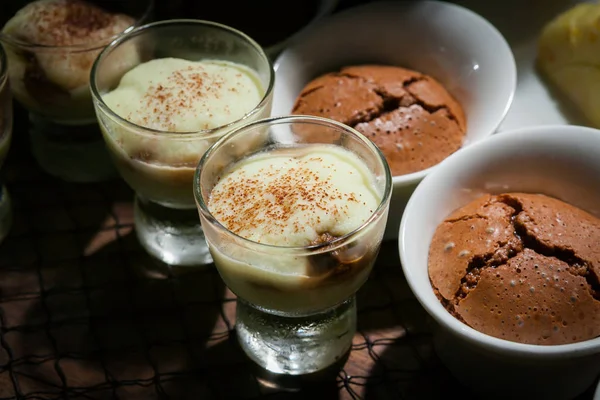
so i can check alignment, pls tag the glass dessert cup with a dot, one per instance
(6, 117)
(159, 165)
(52, 83)
(296, 308)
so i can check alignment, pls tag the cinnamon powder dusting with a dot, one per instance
(66, 23)
(177, 95)
(290, 198)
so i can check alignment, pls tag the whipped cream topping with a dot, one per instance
(65, 23)
(177, 95)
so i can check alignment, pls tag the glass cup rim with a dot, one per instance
(76, 48)
(205, 133)
(288, 119)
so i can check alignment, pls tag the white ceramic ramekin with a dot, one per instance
(559, 161)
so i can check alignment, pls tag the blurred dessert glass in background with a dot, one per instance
(51, 46)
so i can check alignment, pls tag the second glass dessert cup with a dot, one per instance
(159, 165)
(296, 308)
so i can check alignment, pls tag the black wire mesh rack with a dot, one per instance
(85, 314)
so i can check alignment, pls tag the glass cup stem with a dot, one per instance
(296, 345)
(173, 236)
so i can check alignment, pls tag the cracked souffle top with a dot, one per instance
(520, 267)
(410, 116)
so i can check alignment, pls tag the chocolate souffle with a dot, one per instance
(520, 267)
(410, 116)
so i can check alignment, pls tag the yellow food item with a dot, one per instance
(569, 55)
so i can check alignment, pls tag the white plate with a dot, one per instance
(521, 23)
